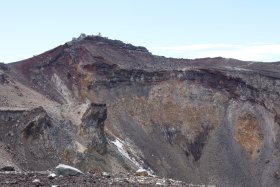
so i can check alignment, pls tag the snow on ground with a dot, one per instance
(124, 149)
(64, 167)
(120, 145)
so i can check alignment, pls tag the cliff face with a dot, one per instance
(106, 105)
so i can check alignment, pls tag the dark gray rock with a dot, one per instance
(4, 67)
(92, 127)
(36, 127)
(7, 168)
(3, 79)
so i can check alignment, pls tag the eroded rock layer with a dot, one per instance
(100, 104)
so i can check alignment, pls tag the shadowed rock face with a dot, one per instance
(205, 121)
(28, 136)
(92, 127)
(36, 126)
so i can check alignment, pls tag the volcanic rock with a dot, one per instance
(103, 105)
(142, 172)
(92, 127)
(7, 168)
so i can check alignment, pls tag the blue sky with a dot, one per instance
(242, 29)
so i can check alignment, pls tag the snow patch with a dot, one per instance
(124, 148)
(67, 167)
(64, 170)
(120, 145)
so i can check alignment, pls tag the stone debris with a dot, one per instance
(51, 176)
(88, 180)
(105, 174)
(142, 172)
(277, 175)
(37, 182)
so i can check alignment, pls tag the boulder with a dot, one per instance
(277, 175)
(105, 174)
(7, 168)
(66, 170)
(51, 176)
(37, 182)
(142, 172)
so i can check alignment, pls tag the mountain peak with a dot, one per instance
(100, 40)
(111, 106)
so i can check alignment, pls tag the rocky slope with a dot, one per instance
(102, 105)
(36, 179)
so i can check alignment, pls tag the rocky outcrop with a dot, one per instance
(4, 67)
(3, 78)
(92, 127)
(36, 127)
(29, 138)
